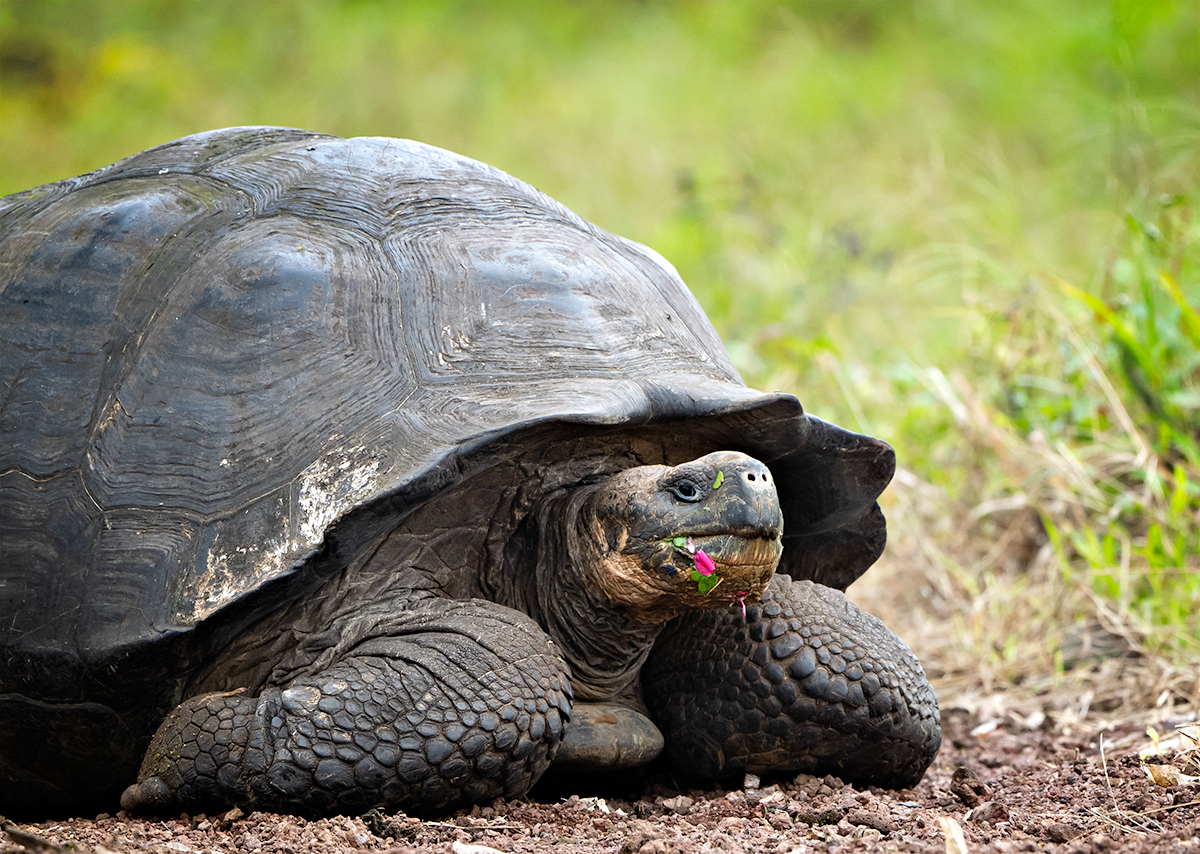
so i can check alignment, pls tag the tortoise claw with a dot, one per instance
(607, 737)
(149, 796)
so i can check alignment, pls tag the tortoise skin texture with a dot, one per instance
(278, 412)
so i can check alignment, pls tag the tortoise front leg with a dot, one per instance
(805, 682)
(465, 703)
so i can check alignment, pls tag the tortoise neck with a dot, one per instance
(604, 643)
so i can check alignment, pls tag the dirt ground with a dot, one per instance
(1002, 786)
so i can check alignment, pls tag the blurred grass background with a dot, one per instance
(966, 227)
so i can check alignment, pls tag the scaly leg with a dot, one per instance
(805, 682)
(463, 703)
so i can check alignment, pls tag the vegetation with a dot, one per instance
(969, 228)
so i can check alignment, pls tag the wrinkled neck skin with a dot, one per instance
(604, 643)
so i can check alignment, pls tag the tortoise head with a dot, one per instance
(700, 535)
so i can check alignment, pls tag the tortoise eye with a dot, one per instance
(685, 490)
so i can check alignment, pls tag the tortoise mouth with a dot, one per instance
(731, 550)
(662, 579)
(725, 567)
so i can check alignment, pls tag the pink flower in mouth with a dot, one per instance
(704, 564)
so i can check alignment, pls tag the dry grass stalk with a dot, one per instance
(977, 588)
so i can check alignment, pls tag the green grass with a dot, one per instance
(969, 228)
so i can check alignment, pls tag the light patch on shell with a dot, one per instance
(331, 486)
(323, 493)
(230, 573)
(214, 587)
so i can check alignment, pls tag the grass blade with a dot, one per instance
(1189, 320)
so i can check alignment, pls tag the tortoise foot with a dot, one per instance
(805, 682)
(607, 737)
(386, 726)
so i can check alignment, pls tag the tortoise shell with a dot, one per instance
(239, 357)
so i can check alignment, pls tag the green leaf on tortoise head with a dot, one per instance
(720, 480)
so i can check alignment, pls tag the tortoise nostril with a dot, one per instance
(756, 477)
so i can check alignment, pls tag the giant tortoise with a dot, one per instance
(342, 473)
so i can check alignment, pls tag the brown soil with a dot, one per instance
(1007, 788)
